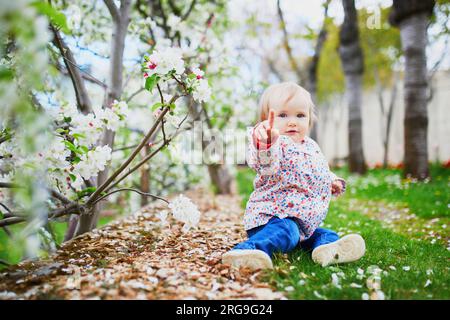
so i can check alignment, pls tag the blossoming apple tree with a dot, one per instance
(56, 157)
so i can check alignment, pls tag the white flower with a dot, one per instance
(406, 268)
(377, 295)
(88, 126)
(289, 289)
(198, 73)
(120, 108)
(111, 119)
(365, 296)
(202, 91)
(150, 23)
(167, 60)
(184, 210)
(93, 162)
(335, 281)
(162, 215)
(427, 283)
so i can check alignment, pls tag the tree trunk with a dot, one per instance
(412, 17)
(218, 173)
(314, 65)
(389, 120)
(413, 32)
(121, 19)
(352, 61)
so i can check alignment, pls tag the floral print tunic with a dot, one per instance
(293, 180)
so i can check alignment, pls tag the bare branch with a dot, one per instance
(8, 185)
(83, 101)
(113, 10)
(160, 93)
(186, 15)
(102, 187)
(11, 220)
(133, 190)
(86, 76)
(60, 197)
(134, 94)
(149, 156)
(6, 208)
(287, 46)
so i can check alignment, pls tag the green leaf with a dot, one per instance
(76, 160)
(72, 177)
(6, 74)
(78, 136)
(56, 17)
(86, 192)
(172, 106)
(84, 149)
(156, 106)
(72, 147)
(151, 82)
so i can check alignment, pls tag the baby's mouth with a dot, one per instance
(291, 131)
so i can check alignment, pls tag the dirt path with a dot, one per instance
(137, 258)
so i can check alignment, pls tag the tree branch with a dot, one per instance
(186, 15)
(133, 190)
(287, 46)
(83, 101)
(113, 10)
(108, 181)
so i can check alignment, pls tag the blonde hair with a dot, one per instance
(280, 94)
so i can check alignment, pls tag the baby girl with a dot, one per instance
(293, 187)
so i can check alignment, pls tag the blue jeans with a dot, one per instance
(283, 235)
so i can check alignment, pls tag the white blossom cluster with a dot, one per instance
(72, 155)
(184, 210)
(169, 61)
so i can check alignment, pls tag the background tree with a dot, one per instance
(353, 64)
(413, 17)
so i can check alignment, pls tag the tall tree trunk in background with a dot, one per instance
(412, 18)
(314, 65)
(121, 19)
(353, 64)
(218, 173)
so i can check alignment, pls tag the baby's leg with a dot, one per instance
(320, 237)
(327, 248)
(277, 235)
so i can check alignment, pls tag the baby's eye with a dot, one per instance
(283, 115)
(301, 115)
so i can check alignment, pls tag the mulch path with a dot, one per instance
(139, 258)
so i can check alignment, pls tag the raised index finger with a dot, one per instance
(271, 118)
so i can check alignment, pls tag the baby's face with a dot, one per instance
(292, 119)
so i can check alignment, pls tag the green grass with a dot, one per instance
(425, 199)
(12, 251)
(428, 276)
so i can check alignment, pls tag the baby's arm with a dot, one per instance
(338, 185)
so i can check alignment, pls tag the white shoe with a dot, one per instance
(347, 249)
(252, 258)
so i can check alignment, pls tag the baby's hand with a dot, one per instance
(265, 134)
(337, 187)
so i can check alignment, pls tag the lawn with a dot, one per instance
(400, 266)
